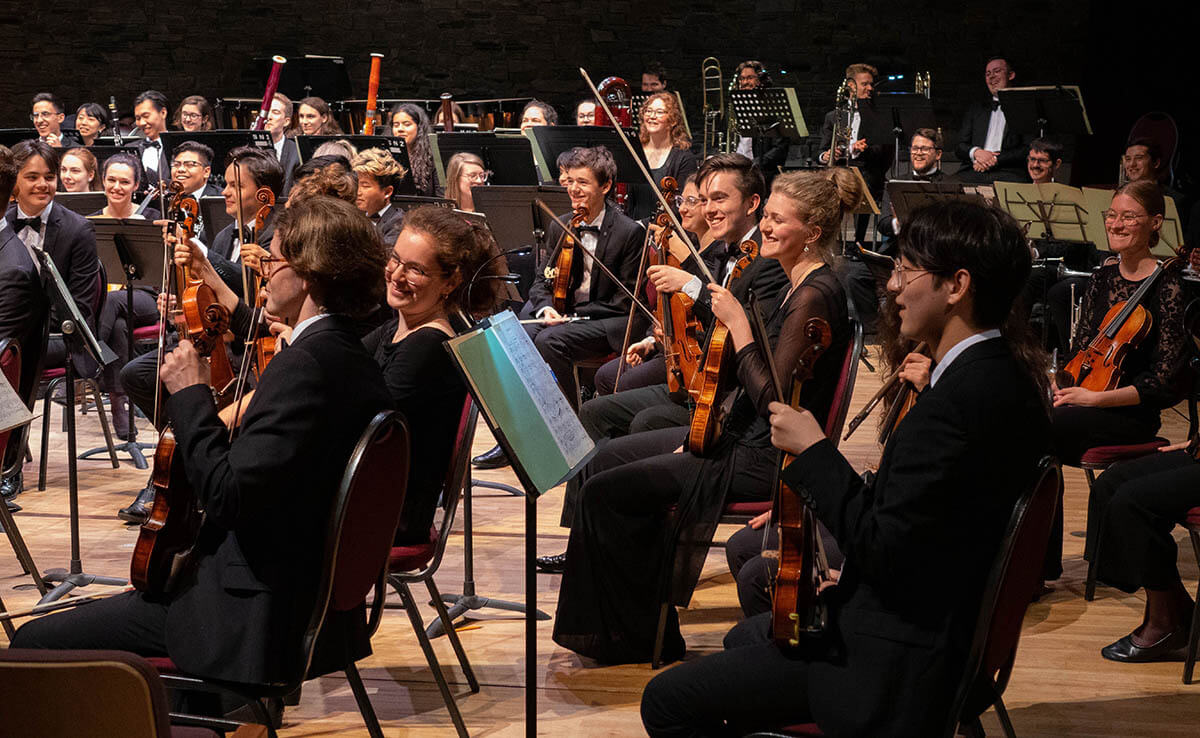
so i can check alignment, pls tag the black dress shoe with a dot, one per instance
(139, 509)
(551, 564)
(1168, 648)
(12, 506)
(493, 459)
(12, 486)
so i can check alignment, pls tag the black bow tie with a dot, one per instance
(35, 223)
(155, 144)
(376, 217)
(588, 229)
(995, 104)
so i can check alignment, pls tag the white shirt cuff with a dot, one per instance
(692, 288)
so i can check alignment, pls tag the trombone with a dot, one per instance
(712, 84)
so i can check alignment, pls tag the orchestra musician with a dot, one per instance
(77, 171)
(194, 114)
(255, 571)
(585, 113)
(48, 114)
(378, 175)
(623, 543)
(1043, 161)
(464, 171)
(538, 113)
(1152, 370)
(279, 124)
(654, 77)
(870, 146)
(925, 155)
(24, 308)
(150, 114)
(120, 177)
(91, 120)
(988, 147)
(412, 124)
(668, 150)
(768, 152)
(313, 118)
(191, 165)
(897, 638)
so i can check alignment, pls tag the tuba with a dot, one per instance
(713, 104)
(844, 108)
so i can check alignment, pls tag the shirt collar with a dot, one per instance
(45, 214)
(384, 209)
(199, 193)
(304, 324)
(598, 220)
(957, 349)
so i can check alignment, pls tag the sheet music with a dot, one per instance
(572, 440)
(13, 412)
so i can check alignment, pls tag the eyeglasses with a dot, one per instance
(189, 165)
(654, 113)
(1044, 160)
(1125, 218)
(190, 116)
(691, 202)
(410, 269)
(899, 270)
(922, 149)
(41, 115)
(478, 177)
(268, 265)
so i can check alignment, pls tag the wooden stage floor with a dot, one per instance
(1060, 685)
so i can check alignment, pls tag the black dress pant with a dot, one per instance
(129, 621)
(1133, 508)
(752, 571)
(651, 371)
(114, 327)
(612, 453)
(751, 685)
(139, 379)
(567, 343)
(632, 411)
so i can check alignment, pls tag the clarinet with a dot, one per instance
(116, 126)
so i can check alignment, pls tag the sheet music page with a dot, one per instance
(572, 440)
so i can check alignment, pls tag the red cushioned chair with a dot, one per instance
(363, 520)
(1015, 576)
(52, 377)
(111, 693)
(412, 564)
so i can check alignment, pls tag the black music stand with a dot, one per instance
(768, 110)
(212, 212)
(1058, 109)
(311, 74)
(508, 156)
(132, 248)
(103, 149)
(81, 203)
(12, 136)
(516, 221)
(551, 141)
(221, 142)
(906, 196)
(905, 112)
(79, 339)
(394, 145)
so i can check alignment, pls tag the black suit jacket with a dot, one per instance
(920, 543)
(71, 243)
(619, 246)
(24, 308)
(390, 225)
(886, 212)
(289, 160)
(267, 498)
(874, 161)
(152, 175)
(220, 253)
(973, 133)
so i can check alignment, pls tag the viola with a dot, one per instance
(711, 381)
(1097, 366)
(560, 274)
(681, 347)
(264, 347)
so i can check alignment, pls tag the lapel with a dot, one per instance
(606, 228)
(53, 227)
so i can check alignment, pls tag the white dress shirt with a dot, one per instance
(34, 239)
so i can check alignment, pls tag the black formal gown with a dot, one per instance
(626, 549)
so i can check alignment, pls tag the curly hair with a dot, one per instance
(679, 135)
(330, 175)
(461, 247)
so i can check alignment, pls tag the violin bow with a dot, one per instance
(637, 287)
(649, 179)
(595, 261)
(239, 390)
(167, 263)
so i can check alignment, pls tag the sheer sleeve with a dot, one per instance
(1095, 305)
(1158, 383)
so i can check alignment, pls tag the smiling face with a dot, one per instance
(35, 187)
(249, 189)
(404, 127)
(371, 197)
(864, 84)
(119, 185)
(87, 126)
(74, 174)
(191, 118)
(652, 83)
(284, 289)
(923, 301)
(655, 117)
(691, 213)
(1040, 166)
(729, 214)
(1129, 226)
(997, 75)
(1137, 163)
(784, 233)
(923, 154)
(277, 119)
(585, 189)
(534, 116)
(416, 285)
(748, 79)
(189, 168)
(46, 119)
(310, 120)
(150, 119)
(585, 114)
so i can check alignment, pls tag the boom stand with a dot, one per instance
(77, 335)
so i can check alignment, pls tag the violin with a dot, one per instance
(264, 347)
(1097, 366)
(560, 273)
(681, 347)
(710, 383)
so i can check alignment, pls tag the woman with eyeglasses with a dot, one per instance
(668, 149)
(194, 114)
(1152, 371)
(464, 171)
(428, 272)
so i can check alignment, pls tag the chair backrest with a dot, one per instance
(362, 520)
(110, 693)
(1161, 129)
(1014, 579)
(840, 407)
(456, 478)
(10, 367)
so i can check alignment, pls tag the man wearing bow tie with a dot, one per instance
(378, 174)
(66, 238)
(987, 146)
(150, 114)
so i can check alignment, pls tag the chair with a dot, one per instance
(1192, 523)
(111, 693)
(55, 376)
(362, 522)
(412, 564)
(588, 367)
(1015, 576)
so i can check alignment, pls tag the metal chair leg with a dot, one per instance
(1089, 585)
(46, 403)
(1005, 723)
(656, 657)
(414, 616)
(108, 441)
(1194, 638)
(364, 701)
(440, 606)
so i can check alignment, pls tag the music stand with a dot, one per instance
(81, 203)
(301, 77)
(102, 152)
(906, 196)
(1057, 108)
(134, 249)
(408, 202)
(306, 146)
(906, 112)
(12, 136)
(516, 221)
(1060, 210)
(551, 141)
(78, 338)
(212, 211)
(221, 143)
(768, 109)
(509, 157)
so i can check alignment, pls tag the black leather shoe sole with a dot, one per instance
(551, 564)
(1168, 648)
(135, 513)
(494, 459)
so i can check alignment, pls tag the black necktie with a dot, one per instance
(247, 235)
(588, 229)
(35, 223)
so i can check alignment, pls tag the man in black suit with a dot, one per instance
(378, 174)
(898, 636)
(191, 166)
(23, 311)
(279, 120)
(987, 146)
(150, 114)
(870, 149)
(48, 115)
(769, 151)
(925, 155)
(236, 613)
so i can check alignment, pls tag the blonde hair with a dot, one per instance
(854, 69)
(338, 147)
(454, 170)
(679, 136)
(822, 198)
(379, 164)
